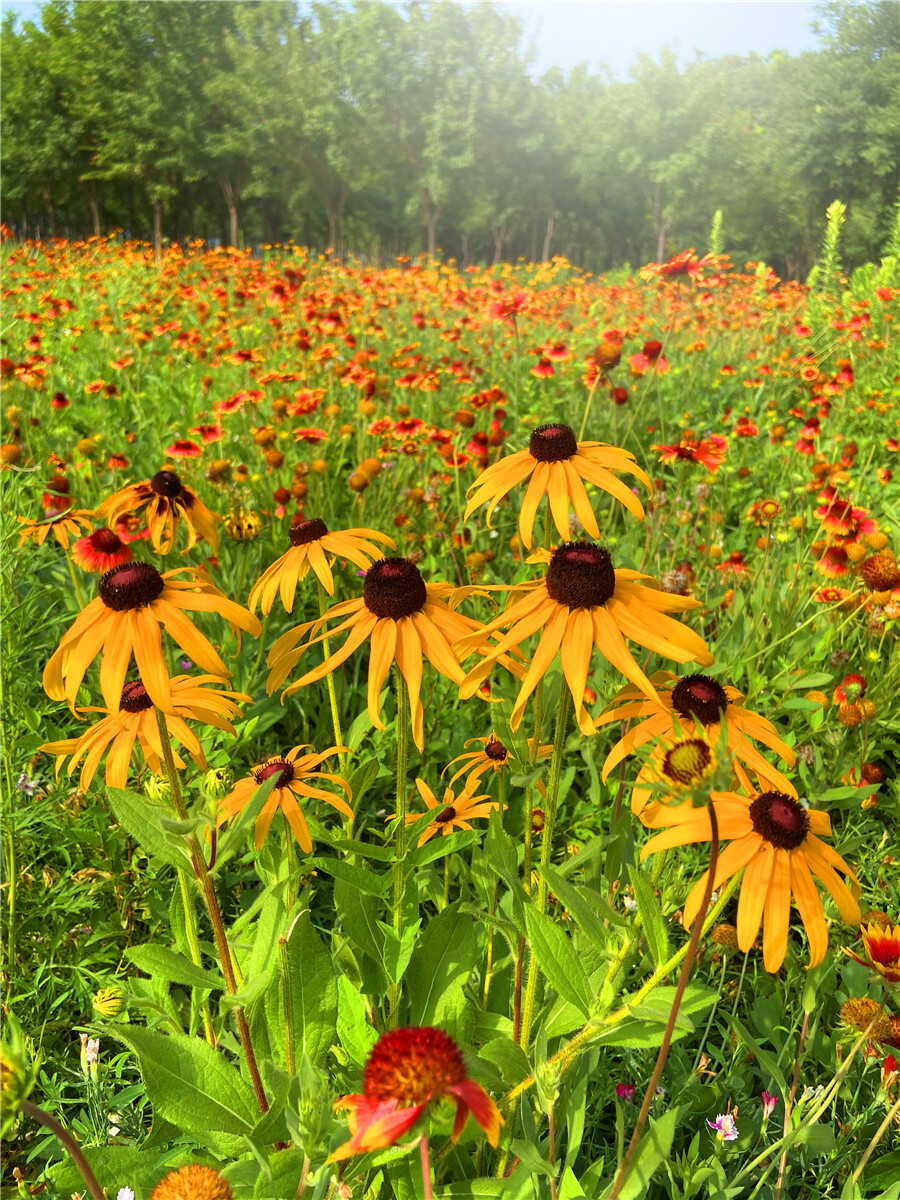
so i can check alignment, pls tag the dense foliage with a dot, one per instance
(388, 129)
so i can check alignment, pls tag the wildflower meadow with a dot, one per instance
(451, 727)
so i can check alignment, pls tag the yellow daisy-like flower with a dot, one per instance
(559, 466)
(777, 843)
(311, 544)
(406, 619)
(73, 522)
(681, 702)
(580, 603)
(167, 501)
(453, 811)
(493, 756)
(135, 604)
(295, 775)
(135, 721)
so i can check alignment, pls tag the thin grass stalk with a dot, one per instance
(685, 975)
(208, 891)
(492, 908)
(399, 869)
(893, 1114)
(193, 937)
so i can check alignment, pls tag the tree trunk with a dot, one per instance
(232, 194)
(661, 224)
(51, 211)
(501, 236)
(547, 236)
(465, 250)
(432, 211)
(157, 230)
(95, 209)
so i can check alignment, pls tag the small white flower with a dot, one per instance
(125, 1194)
(631, 906)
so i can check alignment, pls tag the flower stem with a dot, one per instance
(284, 970)
(399, 870)
(75, 584)
(879, 1134)
(691, 955)
(190, 926)
(69, 1144)
(559, 742)
(489, 953)
(426, 1168)
(332, 694)
(208, 892)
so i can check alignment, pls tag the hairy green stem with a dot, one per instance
(68, 1143)
(332, 693)
(193, 937)
(287, 999)
(399, 868)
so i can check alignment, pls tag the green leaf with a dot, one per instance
(111, 1166)
(509, 1058)
(557, 959)
(579, 907)
(358, 915)
(140, 816)
(354, 1031)
(365, 881)
(170, 967)
(314, 995)
(440, 966)
(651, 916)
(397, 950)
(439, 847)
(193, 1086)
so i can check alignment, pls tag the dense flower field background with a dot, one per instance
(412, 641)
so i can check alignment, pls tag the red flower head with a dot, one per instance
(709, 451)
(881, 947)
(407, 1069)
(101, 551)
(851, 687)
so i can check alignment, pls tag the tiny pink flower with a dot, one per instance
(625, 1091)
(768, 1103)
(725, 1127)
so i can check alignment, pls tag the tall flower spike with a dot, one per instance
(311, 545)
(560, 466)
(583, 602)
(167, 501)
(135, 604)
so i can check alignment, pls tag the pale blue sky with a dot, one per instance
(571, 31)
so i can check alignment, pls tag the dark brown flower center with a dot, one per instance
(779, 820)
(880, 573)
(166, 483)
(445, 815)
(701, 697)
(687, 762)
(133, 586)
(303, 532)
(275, 766)
(552, 443)
(135, 698)
(394, 588)
(495, 750)
(105, 541)
(580, 575)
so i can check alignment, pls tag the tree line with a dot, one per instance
(381, 129)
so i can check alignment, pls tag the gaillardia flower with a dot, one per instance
(126, 619)
(881, 947)
(406, 1071)
(135, 721)
(681, 702)
(559, 466)
(295, 775)
(64, 524)
(779, 845)
(100, 551)
(167, 501)
(404, 616)
(582, 602)
(452, 811)
(311, 545)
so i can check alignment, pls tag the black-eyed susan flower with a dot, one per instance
(451, 812)
(100, 551)
(406, 619)
(493, 756)
(296, 775)
(881, 947)
(135, 604)
(311, 546)
(134, 721)
(583, 602)
(407, 1070)
(62, 523)
(679, 704)
(167, 501)
(193, 1182)
(560, 466)
(778, 844)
